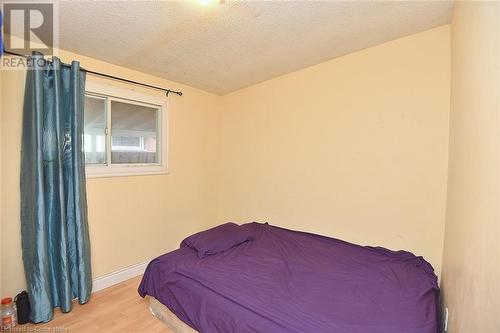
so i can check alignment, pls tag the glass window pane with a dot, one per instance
(94, 139)
(134, 131)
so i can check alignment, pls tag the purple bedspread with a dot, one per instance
(286, 281)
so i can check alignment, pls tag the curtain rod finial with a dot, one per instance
(168, 91)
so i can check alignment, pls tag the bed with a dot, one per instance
(285, 281)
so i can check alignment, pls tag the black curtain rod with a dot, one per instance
(166, 90)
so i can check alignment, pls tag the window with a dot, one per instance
(124, 132)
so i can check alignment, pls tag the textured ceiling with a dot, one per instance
(223, 47)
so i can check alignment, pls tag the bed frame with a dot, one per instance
(161, 312)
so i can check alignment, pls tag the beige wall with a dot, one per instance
(355, 148)
(471, 263)
(131, 219)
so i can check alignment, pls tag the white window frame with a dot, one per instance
(132, 97)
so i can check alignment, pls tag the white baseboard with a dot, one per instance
(121, 275)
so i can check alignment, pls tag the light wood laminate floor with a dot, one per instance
(115, 309)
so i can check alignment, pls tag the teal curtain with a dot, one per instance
(54, 228)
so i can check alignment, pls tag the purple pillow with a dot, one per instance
(217, 239)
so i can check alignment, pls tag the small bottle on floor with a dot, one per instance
(9, 316)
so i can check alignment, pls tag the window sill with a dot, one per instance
(124, 171)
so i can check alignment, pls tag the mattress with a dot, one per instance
(161, 312)
(287, 281)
